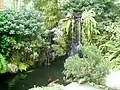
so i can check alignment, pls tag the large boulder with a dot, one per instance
(113, 80)
(76, 86)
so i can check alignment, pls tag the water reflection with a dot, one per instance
(40, 76)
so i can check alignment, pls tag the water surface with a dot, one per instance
(40, 76)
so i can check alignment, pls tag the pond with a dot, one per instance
(39, 76)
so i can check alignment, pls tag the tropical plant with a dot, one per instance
(89, 26)
(87, 4)
(110, 48)
(91, 68)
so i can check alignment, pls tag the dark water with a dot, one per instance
(40, 76)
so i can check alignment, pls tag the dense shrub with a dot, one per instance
(89, 31)
(104, 8)
(110, 48)
(91, 68)
(21, 36)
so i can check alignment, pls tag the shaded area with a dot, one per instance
(40, 76)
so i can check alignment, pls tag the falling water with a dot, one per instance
(75, 34)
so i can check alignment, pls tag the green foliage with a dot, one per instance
(58, 50)
(91, 68)
(110, 48)
(1, 19)
(23, 66)
(106, 11)
(2, 64)
(51, 86)
(100, 6)
(21, 36)
(50, 12)
(24, 23)
(68, 23)
(19, 66)
(5, 45)
(106, 34)
(26, 1)
(89, 25)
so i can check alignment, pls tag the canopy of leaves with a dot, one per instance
(21, 35)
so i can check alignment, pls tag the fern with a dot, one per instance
(22, 66)
(111, 47)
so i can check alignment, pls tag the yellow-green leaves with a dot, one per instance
(66, 27)
(92, 67)
(50, 12)
(22, 66)
(89, 25)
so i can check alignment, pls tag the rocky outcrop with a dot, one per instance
(76, 86)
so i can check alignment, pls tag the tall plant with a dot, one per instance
(89, 30)
(50, 11)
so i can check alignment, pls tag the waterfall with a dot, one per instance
(73, 41)
(75, 34)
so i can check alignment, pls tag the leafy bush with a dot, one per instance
(110, 48)
(103, 7)
(91, 68)
(49, 10)
(21, 36)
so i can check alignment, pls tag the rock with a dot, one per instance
(12, 68)
(113, 80)
(55, 32)
(76, 86)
